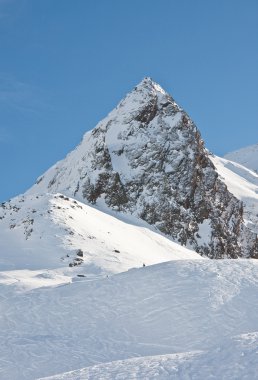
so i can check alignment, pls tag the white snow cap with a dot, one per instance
(149, 83)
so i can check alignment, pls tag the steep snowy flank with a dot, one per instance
(147, 158)
(243, 183)
(247, 156)
(54, 231)
(200, 307)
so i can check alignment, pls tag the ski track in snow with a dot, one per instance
(169, 308)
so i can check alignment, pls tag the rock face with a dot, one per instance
(147, 158)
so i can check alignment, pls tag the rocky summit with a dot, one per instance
(147, 158)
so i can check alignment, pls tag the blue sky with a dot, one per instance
(65, 64)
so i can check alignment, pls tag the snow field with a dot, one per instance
(165, 309)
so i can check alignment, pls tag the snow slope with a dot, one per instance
(167, 309)
(235, 359)
(243, 184)
(247, 156)
(47, 231)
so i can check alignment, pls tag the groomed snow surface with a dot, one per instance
(185, 319)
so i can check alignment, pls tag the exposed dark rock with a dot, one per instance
(79, 253)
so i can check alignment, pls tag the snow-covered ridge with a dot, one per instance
(54, 231)
(247, 156)
(243, 183)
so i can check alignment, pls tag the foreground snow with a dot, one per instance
(235, 359)
(197, 311)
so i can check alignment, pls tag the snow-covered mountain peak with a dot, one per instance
(139, 123)
(147, 159)
(141, 104)
(148, 84)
